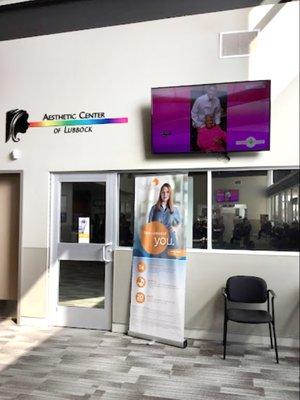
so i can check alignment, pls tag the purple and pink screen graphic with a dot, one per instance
(230, 195)
(233, 117)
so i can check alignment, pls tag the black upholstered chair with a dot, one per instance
(248, 289)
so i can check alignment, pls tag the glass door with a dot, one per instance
(84, 208)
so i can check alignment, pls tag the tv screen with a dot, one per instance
(215, 118)
(228, 195)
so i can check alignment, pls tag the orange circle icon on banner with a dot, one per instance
(155, 181)
(141, 266)
(140, 281)
(154, 237)
(140, 297)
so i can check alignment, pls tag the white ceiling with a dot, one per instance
(5, 2)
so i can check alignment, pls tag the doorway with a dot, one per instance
(84, 215)
(9, 244)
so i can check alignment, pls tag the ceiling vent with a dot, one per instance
(237, 43)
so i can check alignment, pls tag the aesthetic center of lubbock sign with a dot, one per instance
(17, 122)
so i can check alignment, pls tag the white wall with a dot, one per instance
(206, 275)
(112, 70)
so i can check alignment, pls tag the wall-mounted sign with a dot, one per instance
(83, 230)
(17, 122)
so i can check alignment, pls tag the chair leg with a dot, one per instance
(271, 339)
(224, 338)
(275, 343)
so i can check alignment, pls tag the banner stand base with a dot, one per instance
(169, 342)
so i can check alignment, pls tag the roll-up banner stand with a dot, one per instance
(159, 259)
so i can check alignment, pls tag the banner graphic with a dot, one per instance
(159, 258)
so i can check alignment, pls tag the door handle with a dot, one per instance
(104, 249)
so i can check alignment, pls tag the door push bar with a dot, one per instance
(104, 249)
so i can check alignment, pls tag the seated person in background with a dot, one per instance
(266, 228)
(246, 230)
(294, 240)
(218, 229)
(211, 138)
(237, 233)
(200, 233)
(197, 229)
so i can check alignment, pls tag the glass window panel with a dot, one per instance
(280, 174)
(197, 224)
(81, 284)
(240, 212)
(295, 192)
(240, 208)
(288, 206)
(126, 222)
(272, 208)
(276, 207)
(283, 217)
(238, 196)
(85, 200)
(198, 210)
(285, 231)
(279, 219)
(295, 203)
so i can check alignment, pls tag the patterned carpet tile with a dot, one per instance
(79, 364)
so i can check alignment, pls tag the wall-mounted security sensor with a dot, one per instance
(15, 154)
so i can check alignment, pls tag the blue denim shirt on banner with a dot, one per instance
(167, 218)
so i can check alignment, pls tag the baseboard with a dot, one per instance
(36, 322)
(119, 328)
(232, 337)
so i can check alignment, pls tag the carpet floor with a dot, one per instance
(80, 364)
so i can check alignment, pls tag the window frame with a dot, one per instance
(209, 172)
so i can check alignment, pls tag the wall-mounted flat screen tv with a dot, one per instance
(214, 118)
(228, 195)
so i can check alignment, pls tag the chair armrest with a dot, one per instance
(272, 293)
(224, 292)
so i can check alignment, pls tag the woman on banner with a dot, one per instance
(166, 213)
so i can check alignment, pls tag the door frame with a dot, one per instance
(111, 235)
(20, 229)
